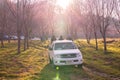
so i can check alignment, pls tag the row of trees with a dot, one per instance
(26, 18)
(39, 17)
(16, 19)
(95, 17)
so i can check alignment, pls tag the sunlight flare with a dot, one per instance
(63, 3)
(57, 76)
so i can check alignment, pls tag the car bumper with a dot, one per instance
(68, 61)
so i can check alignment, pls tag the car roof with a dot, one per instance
(62, 41)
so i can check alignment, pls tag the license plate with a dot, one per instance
(68, 62)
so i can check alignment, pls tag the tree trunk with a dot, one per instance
(96, 41)
(25, 43)
(88, 41)
(1, 39)
(96, 44)
(105, 45)
(18, 27)
(2, 43)
(19, 42)
(8, 39)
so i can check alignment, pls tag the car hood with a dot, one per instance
(70, 51)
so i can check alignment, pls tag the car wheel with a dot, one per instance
(54, 66)
(80, 66)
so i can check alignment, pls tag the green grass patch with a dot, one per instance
(63, 73)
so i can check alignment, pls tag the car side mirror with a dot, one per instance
(78, 47)
(50, 48)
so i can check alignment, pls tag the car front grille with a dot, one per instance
(68, 55)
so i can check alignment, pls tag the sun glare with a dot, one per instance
(63, 3)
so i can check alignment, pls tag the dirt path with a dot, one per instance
(93, 72)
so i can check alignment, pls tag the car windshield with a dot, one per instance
(64, 46)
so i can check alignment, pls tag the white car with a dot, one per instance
(65, 52)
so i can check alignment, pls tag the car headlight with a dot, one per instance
(57, 56)
(78, 55)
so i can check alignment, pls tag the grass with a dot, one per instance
(22, 66)
(33, 63)
(63, 73)
(106, 63)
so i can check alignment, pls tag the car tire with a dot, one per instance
(80, 65)
(54, 66)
